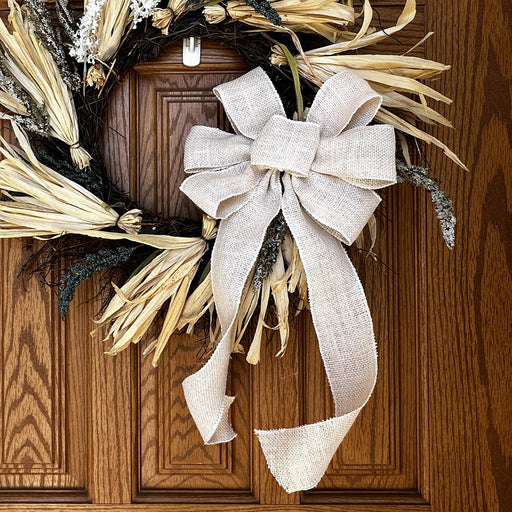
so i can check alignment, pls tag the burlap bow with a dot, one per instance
(320, 173)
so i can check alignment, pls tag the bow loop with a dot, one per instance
(320, 196)
(344, 101)
(363, 156)
(286, 145)
(250, 101)
(228, 189)
(210, 148)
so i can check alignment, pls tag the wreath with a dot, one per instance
(282, 195)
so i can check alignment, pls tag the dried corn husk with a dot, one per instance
(12, 105)
(96, 76)
(113, 21)
(198, 304)
(201, 300)
(383, 72)
(156, 241)
(390, 76)
(395, 78)
(45, 202)
(99, 36)
(385, 116)
(327, 18)
(248, 304)
(35, 70)
(278, 284)
(253, 354)
(367, 35)
(162, 19)
(295, 274)
(215, 14)
(179, 7)
(372, 229)
(166, 278)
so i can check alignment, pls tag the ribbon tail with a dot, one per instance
(236, 249)
(298, 457)
(205, 394)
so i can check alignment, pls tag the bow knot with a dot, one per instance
(331, 163)
(286, 145)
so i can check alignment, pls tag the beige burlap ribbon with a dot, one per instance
(320, 173)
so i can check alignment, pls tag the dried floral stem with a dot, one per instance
(65, 17)
(40, 19)
(84, 270)
(418, 176)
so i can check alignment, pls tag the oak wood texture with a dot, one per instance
(469, 291)
(213, 508)
(78, 426)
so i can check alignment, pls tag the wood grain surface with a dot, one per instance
(469, 290)
(78, 426)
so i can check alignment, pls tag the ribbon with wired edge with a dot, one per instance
(321, 173)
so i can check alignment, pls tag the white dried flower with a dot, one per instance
(85, 41)
(142, 9)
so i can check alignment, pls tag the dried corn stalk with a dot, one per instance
(395, 78)
(36, 72)
(39, 201)
(327, 18)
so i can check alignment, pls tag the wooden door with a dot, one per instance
(84, 431)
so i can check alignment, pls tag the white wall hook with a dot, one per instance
(191, 51)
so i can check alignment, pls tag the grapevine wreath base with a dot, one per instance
(291, 186)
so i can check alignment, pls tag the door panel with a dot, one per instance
(42, 398)
(470, 290)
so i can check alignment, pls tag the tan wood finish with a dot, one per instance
(83, 431)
